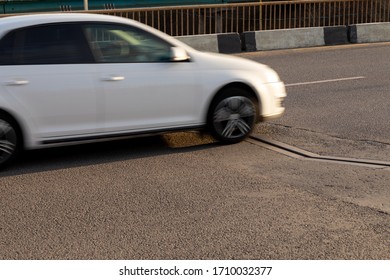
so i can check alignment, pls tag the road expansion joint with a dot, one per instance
(364, 141)
(298, 153)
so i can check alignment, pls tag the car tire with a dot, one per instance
(232, 116)
(9, 140)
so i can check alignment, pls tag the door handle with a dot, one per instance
(113, 78)
(16, 83)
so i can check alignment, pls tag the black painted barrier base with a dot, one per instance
(336, 35)
(229, 43)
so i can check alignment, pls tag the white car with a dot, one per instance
(74, 78)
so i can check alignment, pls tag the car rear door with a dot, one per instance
(46, 74)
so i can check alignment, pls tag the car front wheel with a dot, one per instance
(232, 116)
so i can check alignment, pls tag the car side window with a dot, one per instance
(115, 43)
(45, 44)
(7, 49)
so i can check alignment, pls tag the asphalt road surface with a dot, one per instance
(336, 94)
(181, 196)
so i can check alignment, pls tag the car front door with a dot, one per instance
(46, 71)
(141, 89)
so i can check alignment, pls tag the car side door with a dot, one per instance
(46, 75)
(141, 88)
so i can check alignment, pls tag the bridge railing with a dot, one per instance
(241, 17)
(208, 19)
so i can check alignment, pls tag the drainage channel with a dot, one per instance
(297, 153)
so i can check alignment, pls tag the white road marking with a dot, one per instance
(325, 81)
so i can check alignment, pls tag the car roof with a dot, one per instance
(20, 21)
(17, 21)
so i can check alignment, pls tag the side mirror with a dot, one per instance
(179, 54)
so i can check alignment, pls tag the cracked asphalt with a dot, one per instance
(182, 196)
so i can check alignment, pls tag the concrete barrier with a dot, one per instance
(220, 43)
(369, 32)
(293, 38)
(283, 39)
(289, 38)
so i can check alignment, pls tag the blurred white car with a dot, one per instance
(71, 78)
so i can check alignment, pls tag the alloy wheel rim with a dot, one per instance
(234, 117)
(8, 141)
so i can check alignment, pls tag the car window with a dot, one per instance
(45, 44)
(112, 43)
(7, 49)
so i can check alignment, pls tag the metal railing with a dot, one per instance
(241, 17)
(209, 19)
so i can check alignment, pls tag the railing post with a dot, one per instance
(85, 5)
